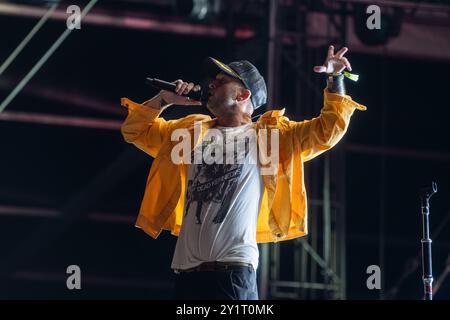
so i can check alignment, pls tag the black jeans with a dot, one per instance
(237, 283)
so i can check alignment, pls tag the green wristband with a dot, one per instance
(351, 76)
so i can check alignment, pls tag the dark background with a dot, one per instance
(48, 166)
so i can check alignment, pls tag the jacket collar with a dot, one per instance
(273, 114)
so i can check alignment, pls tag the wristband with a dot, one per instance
(351, 76)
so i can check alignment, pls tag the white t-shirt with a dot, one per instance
(222, 202)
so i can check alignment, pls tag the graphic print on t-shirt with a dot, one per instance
(214, 183)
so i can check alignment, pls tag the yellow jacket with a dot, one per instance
(283, 213)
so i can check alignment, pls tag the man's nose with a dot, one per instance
(211, 85)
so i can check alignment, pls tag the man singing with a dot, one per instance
(221, 209)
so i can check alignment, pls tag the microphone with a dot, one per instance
(164, 85)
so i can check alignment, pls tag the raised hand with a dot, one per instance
(334, 63)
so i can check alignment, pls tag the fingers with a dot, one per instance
(184, 87)
(181, 86)
(334, 62)
(320, 69)
(341, 52)
(189, 87)
(179, 83)
(330, 52)
(347, 64)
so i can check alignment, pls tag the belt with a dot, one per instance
(215, 266)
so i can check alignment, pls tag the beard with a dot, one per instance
(220, 106)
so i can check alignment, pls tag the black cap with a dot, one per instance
(242, 70)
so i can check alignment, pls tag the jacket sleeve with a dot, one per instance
(312, 137)
(144, 128)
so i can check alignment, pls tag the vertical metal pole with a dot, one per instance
(303, 271)
(341, 254)
(298, 264)
(381, 223)
(326, 209)
(272, 53)
(264, 271)
(425, 195)
(274, 267)
(271, 98)
(341, 226)
(314, 267)
(426, 253)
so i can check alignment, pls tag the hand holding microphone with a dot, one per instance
(178, 92)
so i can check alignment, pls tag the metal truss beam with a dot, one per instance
(67, 97)
(35, 212)
(52, 119)
(169, 24)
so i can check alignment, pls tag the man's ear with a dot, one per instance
(243, 95)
